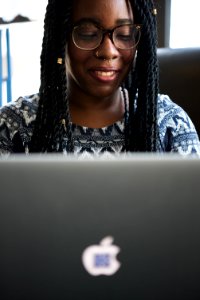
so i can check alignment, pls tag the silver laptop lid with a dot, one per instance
(118, 229)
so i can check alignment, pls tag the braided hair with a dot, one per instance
(141, 83)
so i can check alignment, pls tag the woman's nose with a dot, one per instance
(107, 49)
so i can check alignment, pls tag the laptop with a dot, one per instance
(100, 229)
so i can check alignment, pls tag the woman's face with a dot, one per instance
(99, 74)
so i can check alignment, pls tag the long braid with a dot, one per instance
(39, 138)
(126, 118)
(53, 104)
(143, 120)
(63, 125)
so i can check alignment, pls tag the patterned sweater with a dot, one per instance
(176, 130)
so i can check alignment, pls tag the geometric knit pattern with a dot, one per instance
(176, 131)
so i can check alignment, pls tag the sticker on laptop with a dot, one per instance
(101, 259)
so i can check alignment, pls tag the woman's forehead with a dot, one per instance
(102, 9)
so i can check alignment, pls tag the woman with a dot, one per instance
(99, 86)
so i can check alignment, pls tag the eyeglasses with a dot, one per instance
(89, 36)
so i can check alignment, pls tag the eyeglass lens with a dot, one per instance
(88, 36)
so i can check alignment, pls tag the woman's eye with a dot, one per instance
(88, 34)
(124, 37)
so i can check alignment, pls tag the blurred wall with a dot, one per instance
(163, 18)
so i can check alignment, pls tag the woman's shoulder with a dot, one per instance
(171, 114)
(167, 106)
(24, 108)
(16, 119)
(176, 129)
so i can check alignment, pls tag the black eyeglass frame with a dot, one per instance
(110, 32)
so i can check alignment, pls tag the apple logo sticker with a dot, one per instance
(101, 259)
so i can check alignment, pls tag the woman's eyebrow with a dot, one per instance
(88, 20)
(98, 21)
(124, 21)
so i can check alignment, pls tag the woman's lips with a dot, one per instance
(104, 75)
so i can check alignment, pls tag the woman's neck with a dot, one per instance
(96, 112)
